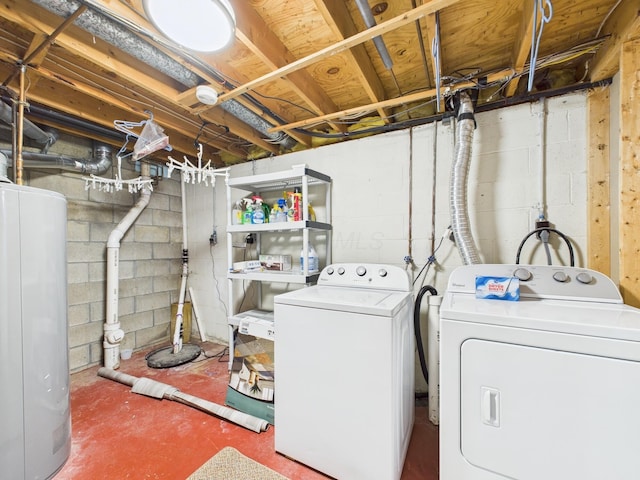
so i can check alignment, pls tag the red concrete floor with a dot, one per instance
(121, 435)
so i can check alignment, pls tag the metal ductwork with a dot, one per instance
(458, 203)
(97, 165)
(30, 129)
(102, 25)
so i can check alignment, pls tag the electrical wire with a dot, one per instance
(536, 34)
(547, 229)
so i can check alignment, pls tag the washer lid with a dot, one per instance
(345, 299)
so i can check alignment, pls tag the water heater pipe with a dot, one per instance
(113, 334)
(458, 203)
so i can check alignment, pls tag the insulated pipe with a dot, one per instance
(177, 331)
(99, 164)
(458, 203)
(98, 22)
(30, 129)
(155, 389)
(113, 334)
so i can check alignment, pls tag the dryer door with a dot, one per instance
(536, 413)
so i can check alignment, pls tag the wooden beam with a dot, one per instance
(337, 16)
(255, 34)
(630, 173)
(338, 47)
(622, 26)
(598, 184)
(522, 46)
(414, 97)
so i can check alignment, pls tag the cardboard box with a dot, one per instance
(276, 262)
(252, 379)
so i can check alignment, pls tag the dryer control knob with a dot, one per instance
(341, 271)
(522, 274)
(560, 277)
(584, 277)
(382, 272)
(330, 271)
(360, 271)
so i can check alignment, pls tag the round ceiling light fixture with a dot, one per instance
(206, 94)
(199, 25)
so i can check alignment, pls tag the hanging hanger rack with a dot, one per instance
(191, 173)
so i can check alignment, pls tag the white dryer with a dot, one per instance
(547, 387)
(344, 372)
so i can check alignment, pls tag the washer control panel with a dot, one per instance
(366, 275)
(541, 281)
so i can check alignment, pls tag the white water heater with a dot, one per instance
(35, 438)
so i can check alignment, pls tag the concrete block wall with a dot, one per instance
(391, 198)
(150, 256)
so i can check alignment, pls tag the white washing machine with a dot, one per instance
(547, 387)
(344, 372)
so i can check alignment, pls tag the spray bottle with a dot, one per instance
(257, 216)
(281, 215)
(248, 211)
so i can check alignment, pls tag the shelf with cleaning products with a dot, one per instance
(298, 186)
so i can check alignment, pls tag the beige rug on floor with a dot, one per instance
(230, 464)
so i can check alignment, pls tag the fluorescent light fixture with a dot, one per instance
(200, 25)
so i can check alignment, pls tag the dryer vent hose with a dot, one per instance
(417, 330)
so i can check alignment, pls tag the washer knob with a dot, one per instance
(584, 277)
(382, 272)
(341, 271)
(560, 277)
(360, 271)
(522, 274)
(330, 271)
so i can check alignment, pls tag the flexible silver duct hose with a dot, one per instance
(458, 203)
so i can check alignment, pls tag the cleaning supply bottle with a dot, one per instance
(313, 259)
(273, 214)
(257, 216)
(312, 213)
(247, 214)
(236, 213)
(281, 215)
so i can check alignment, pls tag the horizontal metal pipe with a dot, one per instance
(97, 165)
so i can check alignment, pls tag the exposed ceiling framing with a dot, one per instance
(300, 72)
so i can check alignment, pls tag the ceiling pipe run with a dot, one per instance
(30, 129)
(97, 165)
(100, 24)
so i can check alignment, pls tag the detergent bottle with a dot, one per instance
(313, 259)
(257, 216)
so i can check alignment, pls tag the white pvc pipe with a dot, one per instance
(113, 334)
(177, 331)
(196, 313)
(433, 357)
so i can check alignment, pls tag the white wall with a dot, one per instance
(378, 180)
